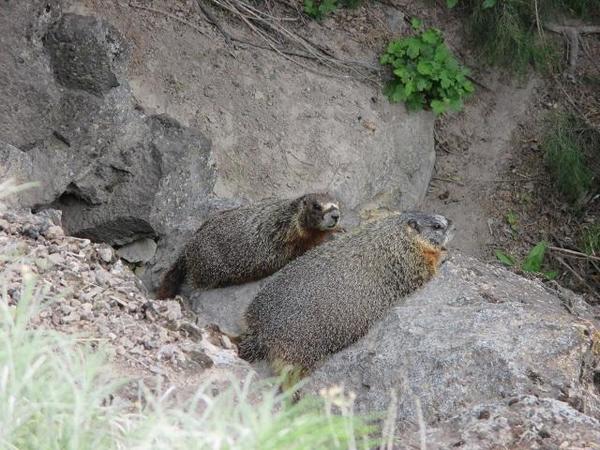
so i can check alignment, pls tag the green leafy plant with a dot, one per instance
(533, 262)
(317, 9)
(505, 258)
(426, 74)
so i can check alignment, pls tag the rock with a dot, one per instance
(105, 253)
(72, 317)
(51, 216)
(103, 278)
(69, 120)
(31, 231)
(54, 232)
(475, 334)
(528, 422)
(56, 259)
(4, 225)
(140, 251)
(200, 358)
(83, 51)
(224, 307)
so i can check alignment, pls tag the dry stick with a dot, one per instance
(576, 275)
(572, 33)
(574, 253)
(266, 21)
(270, 43)
(211, 18)
(257, 15)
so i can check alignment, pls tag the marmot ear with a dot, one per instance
(413, 224)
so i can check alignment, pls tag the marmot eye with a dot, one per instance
(437, 226)
(317, 206)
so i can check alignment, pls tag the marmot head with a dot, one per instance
(436, 228)
(319, 211)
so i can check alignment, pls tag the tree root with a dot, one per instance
(572, 33)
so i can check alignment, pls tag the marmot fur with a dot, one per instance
(330, 297)
(251, 242)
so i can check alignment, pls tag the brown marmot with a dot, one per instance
(251, 242)
(330, 297)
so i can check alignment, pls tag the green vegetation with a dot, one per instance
(591, 240)
(54, 395)
(533, 262)
(571, 153)
(508, 34)
(318, 9)
(426, 74)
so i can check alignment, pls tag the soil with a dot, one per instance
(489, 160)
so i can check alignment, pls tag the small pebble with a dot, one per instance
(105, 254)
(54, 232)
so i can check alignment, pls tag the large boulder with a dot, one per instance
(477, 334)
(134, 138)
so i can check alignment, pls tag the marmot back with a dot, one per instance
(251, 242)
(330, 297)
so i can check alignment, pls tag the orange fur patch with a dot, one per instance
(432, 255)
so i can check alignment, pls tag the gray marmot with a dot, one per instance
(251, 242)
(330, 297)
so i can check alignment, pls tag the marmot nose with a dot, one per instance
(335, 215)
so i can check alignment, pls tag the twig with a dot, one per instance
(255, 18)
(448, 180)
(537, 19)
(576, 275)
(572, 33)
(574, 253)
(211, 18)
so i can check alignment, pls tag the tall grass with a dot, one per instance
(54, 395)
(571, 151)
(508, 33)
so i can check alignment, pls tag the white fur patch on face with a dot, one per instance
(442, 220)
(328, 206)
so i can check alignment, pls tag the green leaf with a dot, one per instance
(456, 104)
(441, 54)
(488, 4)
(512, 219)
(551, 275)
(535, 258)
(416, 23)
(430, 36)
(438, 107)
(413, 48)
(424, 67)
(415, 103)
(504, 258)
(423, 84)
(451, 3)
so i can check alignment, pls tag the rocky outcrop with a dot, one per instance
(79, 114)
(475, 335)
(94, 295)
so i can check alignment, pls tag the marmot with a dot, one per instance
(251, 242)
(327, 299)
